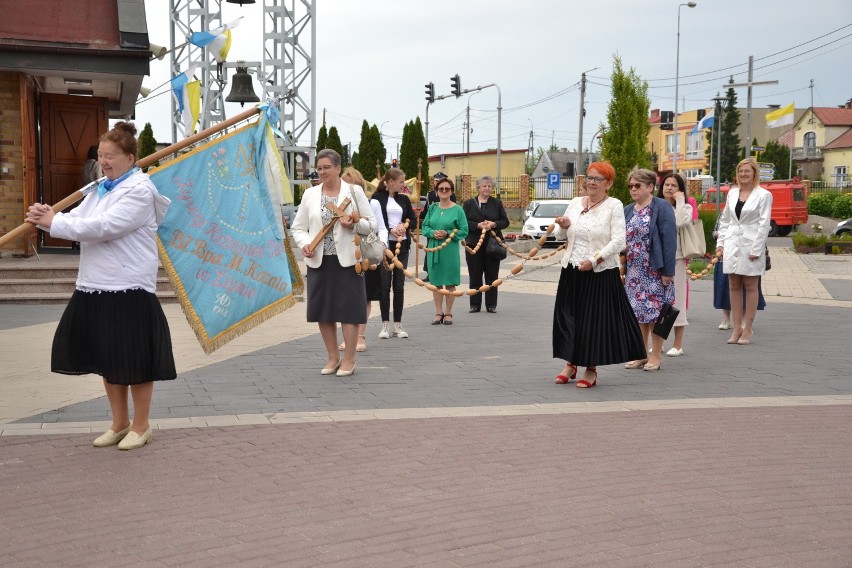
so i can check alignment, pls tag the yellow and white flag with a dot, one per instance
(781, 117)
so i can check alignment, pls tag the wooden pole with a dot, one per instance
(24, 228)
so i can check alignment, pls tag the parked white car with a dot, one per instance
(530, 206)
(542, 217)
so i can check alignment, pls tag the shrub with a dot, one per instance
(709, 220)
(842, 207)
(821, 203)
(808, 241)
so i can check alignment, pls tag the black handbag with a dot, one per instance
(494, 250)
(665, 321)
(768, 260)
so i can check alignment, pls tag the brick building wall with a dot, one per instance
(11, 159)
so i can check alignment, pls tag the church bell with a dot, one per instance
(242, 90)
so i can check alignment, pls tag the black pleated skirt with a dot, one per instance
(593, 323)
(122, 336)
(336, 293)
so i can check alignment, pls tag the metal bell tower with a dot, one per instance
(288, 68)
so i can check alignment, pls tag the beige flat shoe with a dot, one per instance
(110, 438)
(636, 364)
(134, 441)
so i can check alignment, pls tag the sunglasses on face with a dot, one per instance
(444, 189)
(634, 185)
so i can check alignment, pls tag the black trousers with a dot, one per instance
(394, 279)
(479, 265)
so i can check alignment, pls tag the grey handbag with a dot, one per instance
(372, 247)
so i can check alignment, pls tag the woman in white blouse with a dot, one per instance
(593, 323)
(743, 229)
(392, 209)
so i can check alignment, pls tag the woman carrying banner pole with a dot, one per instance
(114, 325)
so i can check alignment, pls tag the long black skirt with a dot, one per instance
(122, 336)
(593, 323)
(336, 293)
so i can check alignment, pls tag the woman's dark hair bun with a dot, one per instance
(127, 127)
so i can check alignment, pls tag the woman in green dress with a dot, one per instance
(445, 226)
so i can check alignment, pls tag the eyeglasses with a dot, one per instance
(634, 185)
(443, 189)
(596, 179)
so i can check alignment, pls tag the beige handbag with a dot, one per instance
(692, 242)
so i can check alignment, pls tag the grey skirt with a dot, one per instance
(336, 293)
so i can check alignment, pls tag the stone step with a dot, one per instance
(60, 285)
(26, 283)
(62, 298)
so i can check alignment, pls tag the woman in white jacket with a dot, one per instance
(114, 325)
(593, 323)
(336, 292)
(743, 229)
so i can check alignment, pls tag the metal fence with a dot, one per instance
(831, 186)
(510, 189)
(539, 190)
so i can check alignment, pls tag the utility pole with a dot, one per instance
(750, 84)
(717, 120)
(579, 169)
(467, 125)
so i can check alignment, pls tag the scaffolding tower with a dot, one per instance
(287, 70)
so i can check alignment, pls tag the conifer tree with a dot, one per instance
(334, 142)
(322, 138)
(624, 140)
(146, 143)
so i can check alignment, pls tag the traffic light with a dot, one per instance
(455, 83)
(430, 92)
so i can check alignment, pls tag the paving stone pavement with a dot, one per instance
(452, 448)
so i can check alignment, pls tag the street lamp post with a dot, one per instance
(677, 82)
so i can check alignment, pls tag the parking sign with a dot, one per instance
(553, 180)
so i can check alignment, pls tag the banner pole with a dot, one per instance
(25, 228)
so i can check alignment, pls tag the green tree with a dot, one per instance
(779, 155)
(624, 139)
(146, 143)
(419, 150)
(405, 150)
(371, 151)
(731, 149)
(334, 142)
(322, 138)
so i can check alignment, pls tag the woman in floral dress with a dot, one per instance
(651, 246)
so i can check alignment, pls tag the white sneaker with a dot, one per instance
(385, 333)
(674, 352)
(399, 332)
(725, 324)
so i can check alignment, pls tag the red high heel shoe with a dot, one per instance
(562, 379)
(585, 384)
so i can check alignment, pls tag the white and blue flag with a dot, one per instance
(704, 123)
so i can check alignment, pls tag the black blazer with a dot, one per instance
(492, 211)
(403, 201)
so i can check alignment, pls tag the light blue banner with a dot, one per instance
(221, 241)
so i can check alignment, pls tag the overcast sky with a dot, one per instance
(374, 58)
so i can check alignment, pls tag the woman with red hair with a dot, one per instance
(593, 323)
